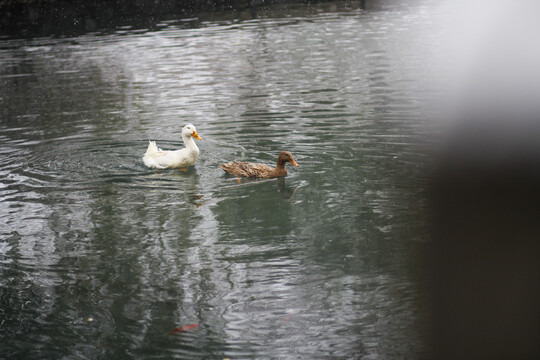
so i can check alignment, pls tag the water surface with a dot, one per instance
(101, 257)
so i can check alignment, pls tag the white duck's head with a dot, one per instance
(190, 131)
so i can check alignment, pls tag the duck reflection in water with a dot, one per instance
(187, 180)
(286, 191)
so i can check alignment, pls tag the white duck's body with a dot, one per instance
(156, 158)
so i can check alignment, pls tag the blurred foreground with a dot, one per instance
(485, 194)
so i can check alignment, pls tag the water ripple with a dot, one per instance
(102, 257)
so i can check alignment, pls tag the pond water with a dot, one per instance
(101, 257)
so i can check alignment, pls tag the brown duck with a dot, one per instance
(245, 169)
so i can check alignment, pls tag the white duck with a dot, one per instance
(159, 159)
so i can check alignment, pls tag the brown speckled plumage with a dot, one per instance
(245, 169)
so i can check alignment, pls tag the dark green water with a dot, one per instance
(101, 257)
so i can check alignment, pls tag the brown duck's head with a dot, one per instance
(286, 156)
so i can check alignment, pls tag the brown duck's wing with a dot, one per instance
(246, 169)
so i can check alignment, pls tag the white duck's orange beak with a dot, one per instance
(196, 136)
(294, 163)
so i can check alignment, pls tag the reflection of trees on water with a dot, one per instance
(46, 87)
(152, 279)
(128, 260)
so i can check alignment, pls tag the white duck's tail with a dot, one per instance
(151, 154)
(152, 148)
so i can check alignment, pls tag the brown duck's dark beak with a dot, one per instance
(294, 163)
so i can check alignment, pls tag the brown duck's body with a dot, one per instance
(245, 169)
